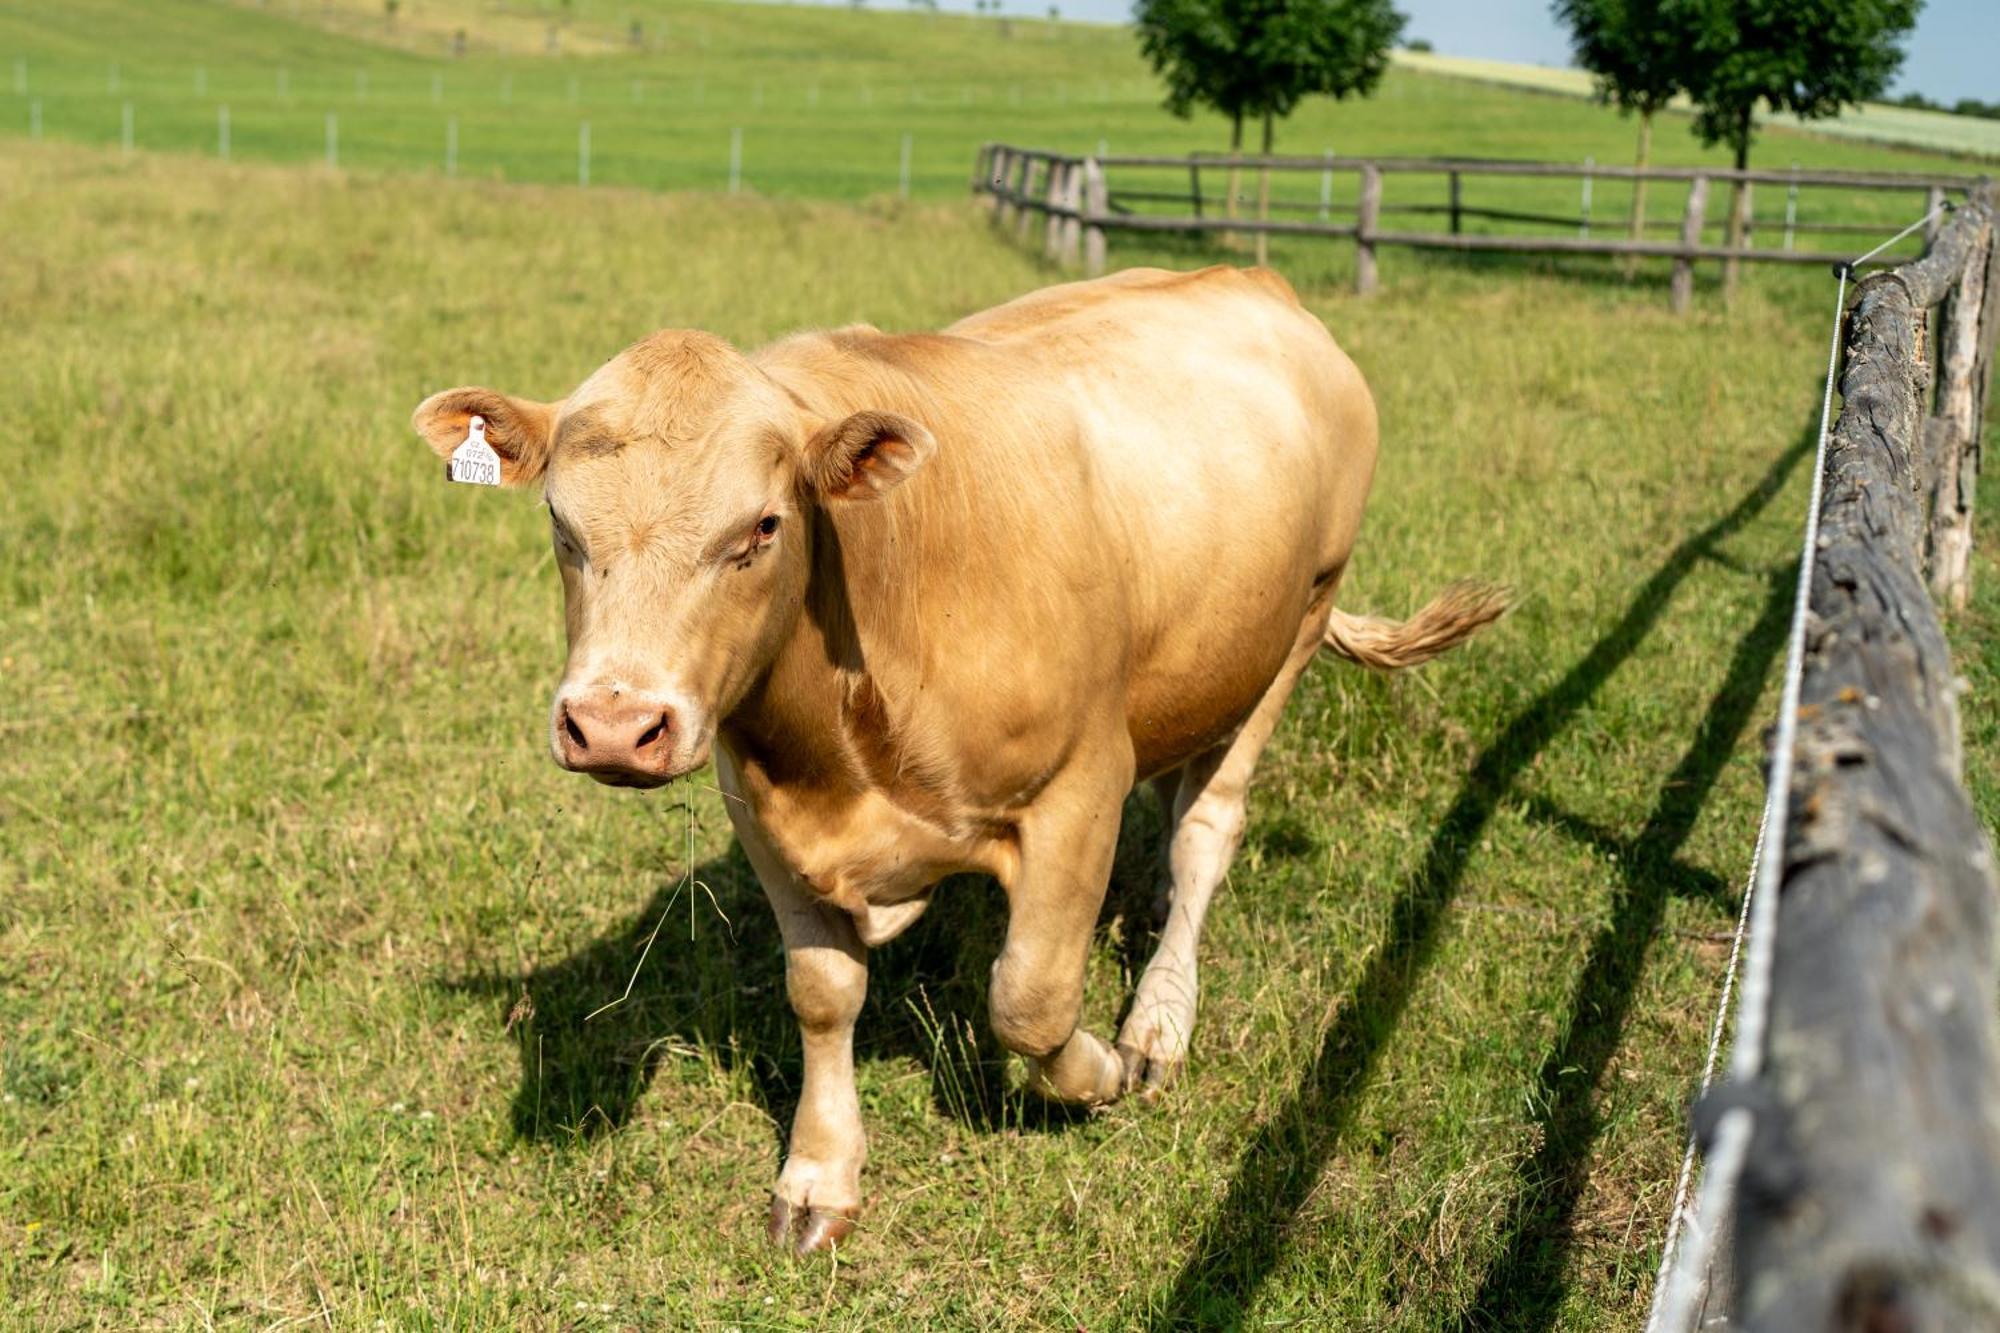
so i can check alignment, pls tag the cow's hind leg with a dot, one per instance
(1205, 820)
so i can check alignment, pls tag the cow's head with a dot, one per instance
(683, 486)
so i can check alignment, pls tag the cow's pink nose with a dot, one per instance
(616, 741)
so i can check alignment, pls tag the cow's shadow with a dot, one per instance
(716, 990)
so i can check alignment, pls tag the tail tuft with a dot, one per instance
(1452, 617)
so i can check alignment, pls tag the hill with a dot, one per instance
(823, 97)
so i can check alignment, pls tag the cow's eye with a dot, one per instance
(767, 526)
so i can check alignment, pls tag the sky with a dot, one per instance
(1954, 53)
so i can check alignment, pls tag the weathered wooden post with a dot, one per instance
(1683, 284)
(1194, 182)
(1017, 187)
(1095, 206)
(1933, 206)
(997, 168)
(1871, 1199)
(1059, 171)
(1952, 435)
(1737, 237)
(1072, 230)
(1370, 206)
(1454, 204)
(1025, 222)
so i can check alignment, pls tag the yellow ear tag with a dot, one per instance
(474, 461)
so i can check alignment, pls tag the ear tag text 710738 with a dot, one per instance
(474, 461)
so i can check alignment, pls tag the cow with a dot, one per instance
(937, 603)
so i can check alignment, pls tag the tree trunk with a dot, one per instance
(1739, 199)
(1264, 195)
(1639, 161)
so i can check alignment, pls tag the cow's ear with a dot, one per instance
(520, 430)
(866, 455)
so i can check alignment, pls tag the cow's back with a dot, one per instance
(1233, 444)
(1142, 483)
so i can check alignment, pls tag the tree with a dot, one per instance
(1638, 50)
(1261, 58)
(1809, 57)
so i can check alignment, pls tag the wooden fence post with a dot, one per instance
(1737, 236)
(1933, 198)
(1194, 182)
(1025, 219)
(1455, 225)
(1683, 284)
(1052, 233)
(1871, 1199)
(1364, 228)
(1072, 229)
(998, 169)
(1951, 436)
(1095, 205)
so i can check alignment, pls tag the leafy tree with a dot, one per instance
(1638, 50)
(1261, 58)
(1809, 57)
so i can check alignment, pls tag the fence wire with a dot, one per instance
(1689, 1248)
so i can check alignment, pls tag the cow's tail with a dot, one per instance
(1452, 617)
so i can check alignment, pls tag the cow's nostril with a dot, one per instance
(653, 733)
(575, 732)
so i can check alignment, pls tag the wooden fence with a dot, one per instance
(1075, 204)
(1871, 1197)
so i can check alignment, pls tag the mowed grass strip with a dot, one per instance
(302, 926)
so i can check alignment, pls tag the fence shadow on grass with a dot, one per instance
(718, 990)
(1523, 1287)
(1247, 1234)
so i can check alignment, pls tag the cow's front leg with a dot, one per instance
(818, 1194)
(1067, 842)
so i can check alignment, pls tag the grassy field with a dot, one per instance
(1873, 122)
(302, 927)
(823, 97)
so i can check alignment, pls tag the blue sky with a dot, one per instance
(1954, 53)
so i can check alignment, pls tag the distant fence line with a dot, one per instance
(1074, 198)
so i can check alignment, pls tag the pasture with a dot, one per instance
(303, 931)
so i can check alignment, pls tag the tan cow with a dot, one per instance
(943, 599)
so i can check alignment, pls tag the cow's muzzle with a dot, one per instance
(620, 740)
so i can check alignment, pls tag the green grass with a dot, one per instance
(823, 97)
(282, 851)
(301, 926)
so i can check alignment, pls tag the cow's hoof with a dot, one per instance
(1147, 1077)
(806, 1230)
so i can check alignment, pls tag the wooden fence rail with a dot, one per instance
(1872, 1195)
(1026, 184)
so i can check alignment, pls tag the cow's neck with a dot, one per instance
(823, 713)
